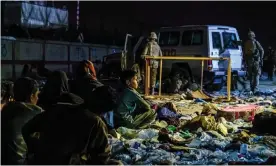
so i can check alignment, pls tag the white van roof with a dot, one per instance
(202, 26)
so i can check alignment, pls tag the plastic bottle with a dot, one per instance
(244, 149)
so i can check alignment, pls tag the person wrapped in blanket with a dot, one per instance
(85, 83)
(132, 110)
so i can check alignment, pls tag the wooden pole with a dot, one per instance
(148, 87)
(229, 80)
(146, 77)
(160, 76)
(202, 71)
(182, 57)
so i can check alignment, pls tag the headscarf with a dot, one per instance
(54, 87)
(82, 70)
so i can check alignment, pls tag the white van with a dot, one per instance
(202, 41)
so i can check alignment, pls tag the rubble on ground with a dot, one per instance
(207, 130)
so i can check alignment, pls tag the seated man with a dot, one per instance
(14, 116)
(132, 111)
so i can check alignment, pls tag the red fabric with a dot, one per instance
(155, 107)
(92, 70)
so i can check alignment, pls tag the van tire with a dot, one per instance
(184, 68)
(211, 86)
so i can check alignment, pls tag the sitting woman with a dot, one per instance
(85, 80)
(132, 111)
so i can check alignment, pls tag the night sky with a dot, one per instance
(135, 17)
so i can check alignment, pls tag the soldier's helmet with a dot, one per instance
(153, 35)
(251, 34)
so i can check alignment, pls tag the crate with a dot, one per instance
(245, 112)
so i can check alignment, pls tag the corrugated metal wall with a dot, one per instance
(56, 55)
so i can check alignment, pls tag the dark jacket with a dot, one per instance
(85, 86)
(14, 116)
(53, 136)
(56, 85)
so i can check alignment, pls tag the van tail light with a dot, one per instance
(210, 64)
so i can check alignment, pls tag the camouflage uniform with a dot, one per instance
(254, 58)
(152, 49)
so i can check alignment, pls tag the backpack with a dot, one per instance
(250, 47)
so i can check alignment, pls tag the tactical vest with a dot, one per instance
(153, 50)
(251, 50)
(250, 47)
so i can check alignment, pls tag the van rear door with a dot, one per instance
(232, 49)
(215, 46)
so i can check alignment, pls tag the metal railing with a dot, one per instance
(202, 59)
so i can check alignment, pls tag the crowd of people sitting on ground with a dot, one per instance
(68, 121)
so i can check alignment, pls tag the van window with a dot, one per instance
(216, 40)
(192, 37)
(229, 40)
(169, 38)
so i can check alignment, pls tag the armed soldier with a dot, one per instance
(254, 60)
(152, 49)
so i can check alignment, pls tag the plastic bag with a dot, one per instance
(208, 122)
(127, 133)
(116, 145)
(126, 159)
(171, 128)
(159, 124)
(261, 151)
(148, 134)
(215, 134)
(222, 129)
(200, 153)
(205, 137)
(185, 134)
(195, 143)
(134, 143)
(219, 154)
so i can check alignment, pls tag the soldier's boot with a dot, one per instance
(255, 90)
(152, 91)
